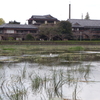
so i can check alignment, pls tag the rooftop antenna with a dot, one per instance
(69, 9)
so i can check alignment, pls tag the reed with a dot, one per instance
(13, 90)
(36, 83)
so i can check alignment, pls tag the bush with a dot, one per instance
(29, 37)
(10, 38)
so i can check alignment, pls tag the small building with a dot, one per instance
(85, 29)
(16, 31)
(45, 19)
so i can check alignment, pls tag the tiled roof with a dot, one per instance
(19, 26)
(85, 23)
(43, 17)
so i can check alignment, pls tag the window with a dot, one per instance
(46, 22)
(33, 22)
(10, 31)
(54, 22)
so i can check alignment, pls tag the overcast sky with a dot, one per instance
(21, 10)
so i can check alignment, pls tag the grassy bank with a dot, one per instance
(70, 42)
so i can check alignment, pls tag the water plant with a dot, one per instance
(13, 90)
(36, 83)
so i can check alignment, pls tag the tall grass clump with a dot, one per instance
(55, 88)
(36, 83)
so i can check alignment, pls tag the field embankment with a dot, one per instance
(50, 42)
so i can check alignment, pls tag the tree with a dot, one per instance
(14, 22)
(1, 21)
(29, 37)
(62, 30)
(48, 31)
(87, 16)
(65, 29)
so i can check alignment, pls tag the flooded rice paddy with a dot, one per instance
(34, 81)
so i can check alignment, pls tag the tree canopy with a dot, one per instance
(1, 21)
(65, 28)
(29, 37)
(87, 16)
(60, 31)
(14, 22)
(48, 31)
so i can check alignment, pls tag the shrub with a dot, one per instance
(10, 38)
(29, 37)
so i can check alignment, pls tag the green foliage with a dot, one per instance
(65, 27)
(29, 37)
(77, 48)
(87, 16)
(14, 22)
(60, 31)
(1, 21)
(10, 38)
(37, 83)
(9, 49)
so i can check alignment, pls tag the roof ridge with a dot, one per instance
(85, 19)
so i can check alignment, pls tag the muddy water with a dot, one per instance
(83, 79)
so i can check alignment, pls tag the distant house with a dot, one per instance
(16, 31)
(85, 29)
(45, 19)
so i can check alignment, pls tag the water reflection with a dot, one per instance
(89, 51)
(42, 82)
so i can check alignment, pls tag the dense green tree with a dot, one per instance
(65, 28)
(29, 37)
(1, 21)
(87, 16)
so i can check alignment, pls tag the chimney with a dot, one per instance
(69, 11)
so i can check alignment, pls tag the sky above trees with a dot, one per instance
(21, 10)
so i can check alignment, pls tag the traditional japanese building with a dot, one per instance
(85, 28)
(45, 19)
(16, 31)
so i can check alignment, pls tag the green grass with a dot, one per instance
(65, 52)
(42, 49)
(77, 48)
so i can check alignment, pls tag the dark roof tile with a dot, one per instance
(43, 17)
(19, 26)
(85, 23)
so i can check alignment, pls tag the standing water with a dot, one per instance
(34, 81)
